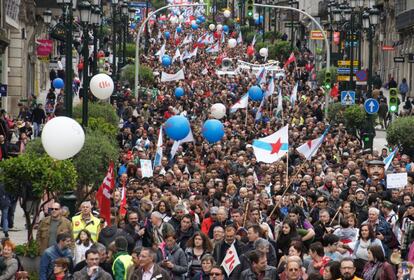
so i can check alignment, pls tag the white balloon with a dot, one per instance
(212, 27)
(219, 27)
(256, 16)
(193, 22)
(62, 138)
(218, 110)
(232, 43)
(264, 52)
(181, 18)
(227, 13)
(101, 86)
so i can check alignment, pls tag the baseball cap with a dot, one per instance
(360, 190)
(213, 210)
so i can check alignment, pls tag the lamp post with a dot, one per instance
(124, 18)
(68, 18)
(85, 18)
(95, 20)
(114, 52)
(369, 20)
(293, 4)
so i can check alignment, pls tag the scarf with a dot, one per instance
(371, 270)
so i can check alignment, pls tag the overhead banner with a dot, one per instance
(165, 77)
(44, 48)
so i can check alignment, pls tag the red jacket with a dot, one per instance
(206, 224)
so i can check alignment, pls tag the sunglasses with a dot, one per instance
(56, 209)
(215, 274)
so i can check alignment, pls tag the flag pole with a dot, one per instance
(247, 113)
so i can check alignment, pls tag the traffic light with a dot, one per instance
(393, 104)
(368, 139)
(250, 8)
(328, 80)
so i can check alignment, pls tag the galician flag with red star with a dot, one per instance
(271, 148)
(309, 149)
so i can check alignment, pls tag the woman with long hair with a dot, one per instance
(377, 268)
(165, 209)
(366, 239)
(82, 244)
(286, 235)
(197, 246)
(332, 271)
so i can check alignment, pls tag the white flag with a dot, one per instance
(279, 102)
(158, 155)
(188, 138)
(241, 104)
(176, 55)
(231, 260)
(271, 88)
(161, 52)
(240, 38)
(271, 148)
(213, 48)
(194, 53)
(309, 149)
(188, 39)
(165, 77)
(254, 41)
(294, 95)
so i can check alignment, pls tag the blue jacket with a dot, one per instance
(403, 88)
(48, 259)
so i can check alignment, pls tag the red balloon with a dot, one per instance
(101, 54)
(250, 50)
(217, 34)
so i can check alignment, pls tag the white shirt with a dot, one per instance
(148, 274)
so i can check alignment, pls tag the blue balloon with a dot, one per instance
(256, 93)
(226, 28)
(213, 130)
(179, 92)
(179, 29)
(177, 127)
(257, 21)
(166, 60)
(194, 26)
(200, 18)
(133, 25)
(167, 35)
(58, 83)
(261, 18)
(198, 21)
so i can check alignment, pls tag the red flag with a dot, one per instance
(334, 91)
(290, 59)
(219, 59)
(103, 196)
(122, 209)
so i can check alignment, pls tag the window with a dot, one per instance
(12, 9)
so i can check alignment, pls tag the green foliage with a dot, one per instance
(355, 117)
(43, 173)
(247, 29)
(101, 126)
(279, 50)
(336, 113)
(400, 133)
(102, 110)
(248, 37)
(104, 31)
(272, 36)
(130, 50)
(29, 249)
(158, 4)
(92, 161)
(146, 77)
(321, 75)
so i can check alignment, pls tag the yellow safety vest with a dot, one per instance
(93, 226)
(126, 260)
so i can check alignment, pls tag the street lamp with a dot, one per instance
(114, 68)
(369, 20)
(95, 20)
(124, 19)
(85, 11)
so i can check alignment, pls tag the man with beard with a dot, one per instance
(179, 212)
(347, 269)
(133, 231)
(259, 268)
(185, 231)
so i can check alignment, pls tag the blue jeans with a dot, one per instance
(36, 129)
(5, 219)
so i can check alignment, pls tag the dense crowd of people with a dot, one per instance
(214, 211)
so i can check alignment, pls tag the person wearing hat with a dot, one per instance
(360, 205)
(207, 222)
(376, 172)
(122, 260)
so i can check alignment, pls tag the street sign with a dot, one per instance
(399, 59)
(387, 48)
(348, 98)
(354, 43)
(345, 71)
(371, 106)
(3, 90)
(316, 35)
(289, 24)
(342, 63)
(361, 76)
(411, 57)
(343, 78)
